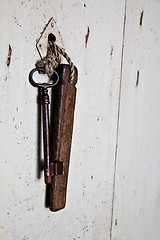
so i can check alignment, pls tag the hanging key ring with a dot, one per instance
(41, 85)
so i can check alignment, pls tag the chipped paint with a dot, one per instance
(87, 37)
(137, 82)
(141, 18)
(9, 55)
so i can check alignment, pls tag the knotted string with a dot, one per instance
(53, 59)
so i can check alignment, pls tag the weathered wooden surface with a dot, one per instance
(115, 146)
(137, 182)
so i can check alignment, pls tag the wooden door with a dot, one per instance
(113, 188)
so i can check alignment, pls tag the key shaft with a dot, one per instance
(45, 104)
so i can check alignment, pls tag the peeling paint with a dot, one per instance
(137, 82)
(9, 55)
(86, 37)
(141, 18)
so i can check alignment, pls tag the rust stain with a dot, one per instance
(87, 36)
(137, 82)
(141, 18)
(9, 55)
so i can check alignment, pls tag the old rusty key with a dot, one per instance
(45, 103)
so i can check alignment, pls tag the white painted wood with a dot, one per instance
(89, 201)
(137, 185)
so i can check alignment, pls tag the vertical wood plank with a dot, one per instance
(137, 184)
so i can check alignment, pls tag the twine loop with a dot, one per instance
(53, 59)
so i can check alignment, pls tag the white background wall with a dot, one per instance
(114, 183)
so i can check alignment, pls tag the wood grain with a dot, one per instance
(63, 114)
